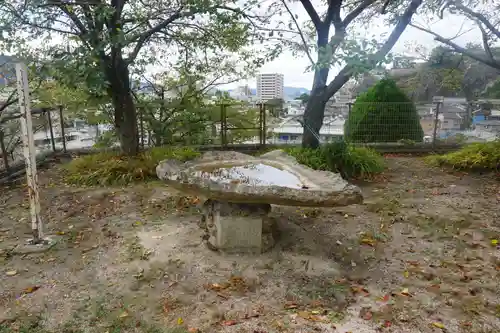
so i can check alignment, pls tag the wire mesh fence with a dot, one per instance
(220, 124)
(234, 124)
(384, 123)
(47, 136)
(441, 122)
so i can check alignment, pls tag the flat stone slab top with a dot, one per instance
(273, 178)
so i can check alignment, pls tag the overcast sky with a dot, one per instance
(293, 68)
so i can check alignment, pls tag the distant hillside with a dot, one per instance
(293, 92)
(290, 92)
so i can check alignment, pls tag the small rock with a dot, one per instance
(11, 273)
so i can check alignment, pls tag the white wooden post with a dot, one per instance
(29, 152)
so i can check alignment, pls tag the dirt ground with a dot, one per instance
(418, 256)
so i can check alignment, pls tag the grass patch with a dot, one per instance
(476, 156)
(348, 160)
(111, 168)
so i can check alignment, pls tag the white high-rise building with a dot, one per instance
(269, 86)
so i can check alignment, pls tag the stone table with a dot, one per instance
(240, 189)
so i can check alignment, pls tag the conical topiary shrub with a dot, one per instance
(383, 114)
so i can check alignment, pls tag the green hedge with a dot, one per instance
(475, 156)
(113, 169)
(348, 160)
(383, 114)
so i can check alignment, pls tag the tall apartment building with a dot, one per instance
(269, 86)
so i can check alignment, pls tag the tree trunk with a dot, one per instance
(158, 139)
(313, 119)
(123, 103)
(321, 93)
(315, 107)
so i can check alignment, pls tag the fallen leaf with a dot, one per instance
(316, 318)
(290, 305)
(11, 273)
(385, 298)
(303, 314)
(221, 295)
(180, 321)
(494, 242)
(406, 274)
(229, 322)
(166, 307)
(193, 330)
(124, 314)
(368, 241)
(405, 292)
(31, 289)
(438, 325)
(251, 315)
(217, 286)
(387, 323)
(359, 289)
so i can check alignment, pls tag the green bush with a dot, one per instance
(348, 160)
(110, 168)
(383, 114)
(475, 156)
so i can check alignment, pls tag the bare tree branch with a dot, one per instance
(357, 11)
(316, 20)
(460, 49)
(145, 36)
(486, 45)
(306, 46)
(333, 14)
(478, 16)
(346, 73)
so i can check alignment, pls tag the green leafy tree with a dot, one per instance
(383, 114)
(447, 73)
(177, 106)
(102, 43)
(493, 91)
(76, 101)
(10, 129)
(304, 98)
(331, 35)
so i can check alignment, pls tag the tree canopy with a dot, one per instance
(447, 73)
(102, 44)
(331, 34)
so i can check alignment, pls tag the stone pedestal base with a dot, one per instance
(238, 227)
